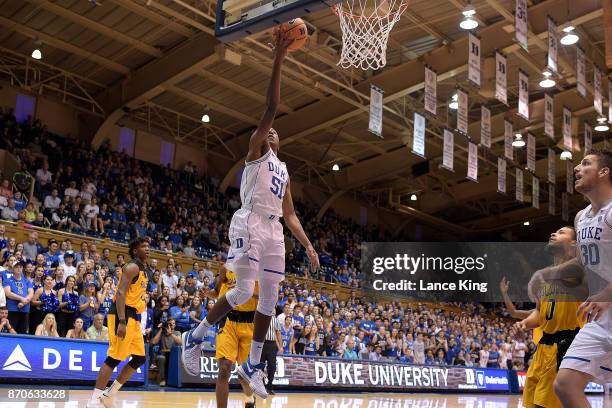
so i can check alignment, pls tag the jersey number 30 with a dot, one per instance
(278, 187)
(590, 254)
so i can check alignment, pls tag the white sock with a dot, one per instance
(249, 399)
(200, 331)
(256, 348)
(114, 388)
(96, 394)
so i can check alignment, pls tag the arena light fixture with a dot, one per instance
(570, 36)
(518, 141)
(526, 223)
(566, 155)
(37, 54)
(547, 81)
(454, 103)
(468, 22)
(206, 118)
(601, 126)
(413, 197)
(335, 167)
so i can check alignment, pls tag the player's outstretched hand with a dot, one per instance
(521, 329)
(593, 308)
(281, 45)
(504, 285)
(314, 259)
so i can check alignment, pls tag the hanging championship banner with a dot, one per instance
(580, 72)
(567, 128)
(520, 23)
(501, 175)
(472, 173)
(564, 207)
(431, 91)
(474, 60)
(523, 105)
(552, 166)
(448, 156)
(569, 177)
(485, 126)
(376, 111)
(418, 136)
(462, 112)
(519, 185)
(610, 100)
(553, 45)
(501, 78)
(597, 98)
(508, 153)
(549, 116)
(552, 202)
(531, 152)
(588, 137)
(535, 192)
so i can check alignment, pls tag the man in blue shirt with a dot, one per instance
(53, 255)
(19, 294)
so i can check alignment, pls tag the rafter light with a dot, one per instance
(468, 22)
(547, 81)
(601, 126)
(570, 36)
(518, 140)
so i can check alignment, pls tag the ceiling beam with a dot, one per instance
(62, 45)
(146, 12)
(97, 27)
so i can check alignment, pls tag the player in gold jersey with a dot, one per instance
(556, 315)
(234, 339)
(124, 332)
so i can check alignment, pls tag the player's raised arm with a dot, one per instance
(514, 312)
(259, 137)
(295, 226)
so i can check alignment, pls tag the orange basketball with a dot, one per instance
(296, 30)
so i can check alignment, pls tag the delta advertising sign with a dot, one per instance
(30, 358)
(317, 372)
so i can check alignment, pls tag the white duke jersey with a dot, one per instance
(594, 233)
(263, 185)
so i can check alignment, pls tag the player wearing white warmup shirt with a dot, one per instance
(589, 358)
(257, 250)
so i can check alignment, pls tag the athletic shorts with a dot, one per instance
(591, 350)
(540, 379)
(131, 344)
(257, 246)
(234, 341)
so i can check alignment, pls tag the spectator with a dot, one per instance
(52, 202)
(350, 353)
(20, 202)
(189, 250)
(106, 260)
(31, 248)
(170, 280)
(19, 293)
(88, 304)
(5, 189)
(10, 213)
(44, 177)
(69, 269)
(45, 301)
(166, 337)
(71, 191)
(5, 324)
(2, 295)
(30, 213)
(91, 213)
(48, 327)
(69, 305)
(180, 313)
(98, 331)
(77, 332)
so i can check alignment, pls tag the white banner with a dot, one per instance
(552, 166)
(553, 45)
(431, 91)
(474, 59)
(501, 175)
(485, 126)
(597, 95)
(549, 116)
(523, 105)
(508, 152)
(564, 207)
(580, 72)
(448, 157)
(535, 192)
(520, 23)
(567, 128)
(531, 152)
(501, 78)
(610, 100)
(552, 202)
(462, 112)
(569, 177)
(376, 111)
(418, 136)
(588, 137)
(519, 185)
(472, 173)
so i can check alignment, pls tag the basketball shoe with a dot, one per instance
(190, 353)
(255, 376)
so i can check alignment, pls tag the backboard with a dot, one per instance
(240, 18)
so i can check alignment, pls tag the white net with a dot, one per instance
(366, 25)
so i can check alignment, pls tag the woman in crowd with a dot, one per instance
(88, 305)
(69, 305)
(180, 314)
(44, 302)
(195, 311)
(77, 332)
(161, 313)
(312, 340)
(48, 327)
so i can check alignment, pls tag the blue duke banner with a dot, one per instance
(48, 359)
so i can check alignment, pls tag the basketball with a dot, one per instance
(296, 30)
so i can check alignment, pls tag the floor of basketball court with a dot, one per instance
(206, 399)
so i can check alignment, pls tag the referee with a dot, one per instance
(271, 347)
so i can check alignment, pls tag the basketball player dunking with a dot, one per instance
(590, 355)
(257, 251)
(124, 331)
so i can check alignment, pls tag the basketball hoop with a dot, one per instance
(366, 25)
